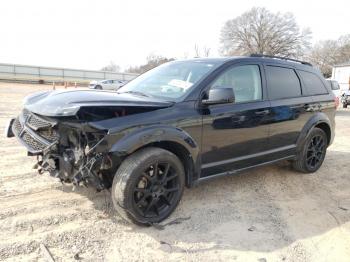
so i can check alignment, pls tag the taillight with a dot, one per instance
(336, 101)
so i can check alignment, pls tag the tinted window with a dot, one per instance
(313, 83)
(335, 85)
(282, 82)
(244, 80)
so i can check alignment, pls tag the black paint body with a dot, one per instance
(217, 139)
(227, 138)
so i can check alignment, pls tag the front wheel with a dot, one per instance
(148, 186)
(345, 105)
(313, 152)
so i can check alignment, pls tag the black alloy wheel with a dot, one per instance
(157, 190)
(315, 151)
(148, 186)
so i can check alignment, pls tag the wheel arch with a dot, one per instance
(183, 154)
(319, 120)
(175, 140)
(326, 128)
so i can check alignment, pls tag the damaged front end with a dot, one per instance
(65, 149)
(58, 127)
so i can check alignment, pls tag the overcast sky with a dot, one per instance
(88, 34)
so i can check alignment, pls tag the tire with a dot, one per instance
(98, 87)
(345, 105)
(148, 186)
(313, 152)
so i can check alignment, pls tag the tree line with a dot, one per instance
(260, 31)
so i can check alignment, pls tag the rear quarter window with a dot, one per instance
(282, 82)
(313, 83)
(335, 85)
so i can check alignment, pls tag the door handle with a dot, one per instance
(262, 112)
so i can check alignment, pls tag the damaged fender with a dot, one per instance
(132, 141)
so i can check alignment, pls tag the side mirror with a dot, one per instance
(218, 95)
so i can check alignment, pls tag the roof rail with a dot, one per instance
(283, 58)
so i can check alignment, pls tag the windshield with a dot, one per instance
(170, 81)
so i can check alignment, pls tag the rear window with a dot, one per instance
(313, 83)
(282, 82)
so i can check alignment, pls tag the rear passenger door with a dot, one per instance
(291, 108)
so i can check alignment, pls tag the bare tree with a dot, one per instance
(344, 47)
(152, 62)
(261, 31)
(198, 53)
(325, 54)
(206, 51)
(112, 67)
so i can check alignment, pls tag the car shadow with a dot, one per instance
(262, 210)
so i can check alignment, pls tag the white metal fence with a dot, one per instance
(54, 74)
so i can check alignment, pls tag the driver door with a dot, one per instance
(235, 134)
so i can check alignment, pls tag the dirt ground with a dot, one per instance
(268, 214)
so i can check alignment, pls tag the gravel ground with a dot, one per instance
(268, 214)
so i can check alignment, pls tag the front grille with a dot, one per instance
(37, 123)
(34, 132)
(17, 127)
(32, 142)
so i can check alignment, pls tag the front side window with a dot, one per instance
(170, 81)
(245, 81)
(313, 83)
(282, 83)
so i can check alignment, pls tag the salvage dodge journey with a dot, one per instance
(178, 124)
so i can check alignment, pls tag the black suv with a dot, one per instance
(178, 124)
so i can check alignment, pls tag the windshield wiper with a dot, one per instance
(135, 93)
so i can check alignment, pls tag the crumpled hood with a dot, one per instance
(68, 103)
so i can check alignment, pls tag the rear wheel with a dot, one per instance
(313, 152)
(148, 186)
(345, 105)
